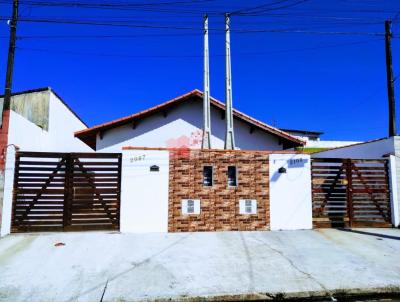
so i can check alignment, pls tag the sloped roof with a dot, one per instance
(305, 132)
(89, 135)
(353, 145)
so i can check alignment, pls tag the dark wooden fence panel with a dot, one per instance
(350, 193)
(39, 192)
(66, 191)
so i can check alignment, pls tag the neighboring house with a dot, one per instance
(373, 149)
(305, 135)
(178, 123)
(314, 142)
(39, 120)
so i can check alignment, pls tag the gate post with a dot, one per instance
(394, 197)
(8, 177)
(349, 176)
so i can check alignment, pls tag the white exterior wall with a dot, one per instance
(183, 124)
(328, 144)
(394, 200)
(144, 194)
(290, 192)
(60, 136)
(371, 150)
(62, 126)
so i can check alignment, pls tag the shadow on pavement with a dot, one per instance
(369, 233)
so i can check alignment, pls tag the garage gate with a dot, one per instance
(66, 191)
(350, 193)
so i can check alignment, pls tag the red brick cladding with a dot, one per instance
(219, 203)
(4, 139)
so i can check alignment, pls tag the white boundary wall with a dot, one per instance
(290, 192)
(394, 198)
(144, 194)
(8, 191)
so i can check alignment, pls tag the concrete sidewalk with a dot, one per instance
(95, 266)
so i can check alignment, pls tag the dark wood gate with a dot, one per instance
(350, 193)
(66, 191)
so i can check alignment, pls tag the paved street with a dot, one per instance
(99, 266)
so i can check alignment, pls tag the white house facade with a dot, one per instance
(178, 123)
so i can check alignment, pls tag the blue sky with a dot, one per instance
(335, 83)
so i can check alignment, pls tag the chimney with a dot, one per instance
(206, 143)
(229, 136)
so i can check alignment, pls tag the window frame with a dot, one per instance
(212, 176)
(236, 177)
(185, 207)
(243, 207)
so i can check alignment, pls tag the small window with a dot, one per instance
(190, 206)
(232, 177)
(248, 206)
(154, 168)
(207, 176)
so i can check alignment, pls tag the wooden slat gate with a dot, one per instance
(350, 193)
(66, 191)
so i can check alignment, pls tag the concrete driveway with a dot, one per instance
(96, 266)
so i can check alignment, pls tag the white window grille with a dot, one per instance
(248, 206)
(190, 206)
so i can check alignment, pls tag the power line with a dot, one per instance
(148, 26)
(270, 4)
(192, 56)
(258, 10)
(39, 37)
(108, 4)
(124, 6)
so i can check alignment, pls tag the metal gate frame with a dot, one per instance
(66, 191)
(350, 192)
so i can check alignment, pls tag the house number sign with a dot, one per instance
(296, 162)
(137, 158)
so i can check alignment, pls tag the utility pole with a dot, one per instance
(206, 143)
(390, 80)
(5, 105)
(229, 136)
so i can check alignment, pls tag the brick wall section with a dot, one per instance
(4, 138)
(219, 204)
(3, 149)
